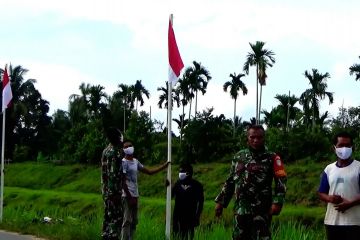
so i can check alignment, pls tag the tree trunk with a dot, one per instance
(196, 103)
(257, 95)
(234, 116)
(190, 109)
(260, 102)
(182, 124)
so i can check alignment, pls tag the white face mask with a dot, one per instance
(182, 175)
(343, 153)
(129, 150)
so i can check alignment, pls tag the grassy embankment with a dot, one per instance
(70, 196)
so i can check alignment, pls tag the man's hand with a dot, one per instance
(275, 209)
(344, 205)
(218, 210)
(336, 199)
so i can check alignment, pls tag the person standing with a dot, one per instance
(112, 183)
(131, 166)
(189, 201)
(340, 189)
(251, 175)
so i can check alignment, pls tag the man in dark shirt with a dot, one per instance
(189, 200)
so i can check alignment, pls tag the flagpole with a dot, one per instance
(168, 190)
(2, 167)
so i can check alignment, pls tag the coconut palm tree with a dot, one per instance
(235, 86)
(183, 91)
(163, 98)
(310, 98)
(125, 94)
(355, 69)
(139, 91)
(287, 108)
(198, 78)
(261, 58)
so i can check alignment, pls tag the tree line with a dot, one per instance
(76, 135)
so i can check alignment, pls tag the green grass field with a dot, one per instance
(70, 195)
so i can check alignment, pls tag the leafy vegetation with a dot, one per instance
(70, 195)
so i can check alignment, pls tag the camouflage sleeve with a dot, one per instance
(280, 180)
(228, 188)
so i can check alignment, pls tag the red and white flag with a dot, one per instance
(175, 62)
(6, 91)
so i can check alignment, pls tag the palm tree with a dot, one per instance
(163, 98)
(183, 92)
(198, 78)
(355, 69)
(235, 85)
(261, 58)
(287, 108)
(125, 94)
(139, 91)
(310, 98)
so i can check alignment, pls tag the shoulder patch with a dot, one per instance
(279, 170)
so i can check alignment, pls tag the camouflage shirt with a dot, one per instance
(251, 177)
(111, 176)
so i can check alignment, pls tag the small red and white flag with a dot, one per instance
(6, 91)
(175, 62)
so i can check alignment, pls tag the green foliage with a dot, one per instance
(83, 143)
(299, 143)
(140, 133)
(207, 138)
(21, 153)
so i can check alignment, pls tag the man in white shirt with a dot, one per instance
(340, 189)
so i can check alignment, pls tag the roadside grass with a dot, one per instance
(79, 216)
(303, 179)
(70, 195)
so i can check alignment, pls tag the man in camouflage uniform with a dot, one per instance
(251, 175)
(112, 184)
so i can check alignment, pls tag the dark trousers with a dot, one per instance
(183, 230)
(252, 227)
(339, 232)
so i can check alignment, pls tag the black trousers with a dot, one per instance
(183, 230)
(340, 232)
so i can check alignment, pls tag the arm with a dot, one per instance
(323, 191)
(154, 170)
(346, 204)
(280, 185)
(227, 191)
(200, 201)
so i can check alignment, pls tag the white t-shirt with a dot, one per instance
(343, 181)
(130, 169)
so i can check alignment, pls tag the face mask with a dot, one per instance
(343, 153)
(129, 150)
(182, 175)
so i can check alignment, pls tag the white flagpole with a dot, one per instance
(2, 167)
(168, 189)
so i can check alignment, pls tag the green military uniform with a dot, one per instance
(251, 177)
(111, 182)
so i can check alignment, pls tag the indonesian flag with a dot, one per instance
(6, 92)
(175, 62)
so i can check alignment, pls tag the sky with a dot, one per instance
(109, 42)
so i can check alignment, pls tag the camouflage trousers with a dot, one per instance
(252, 227)
(113, 218)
